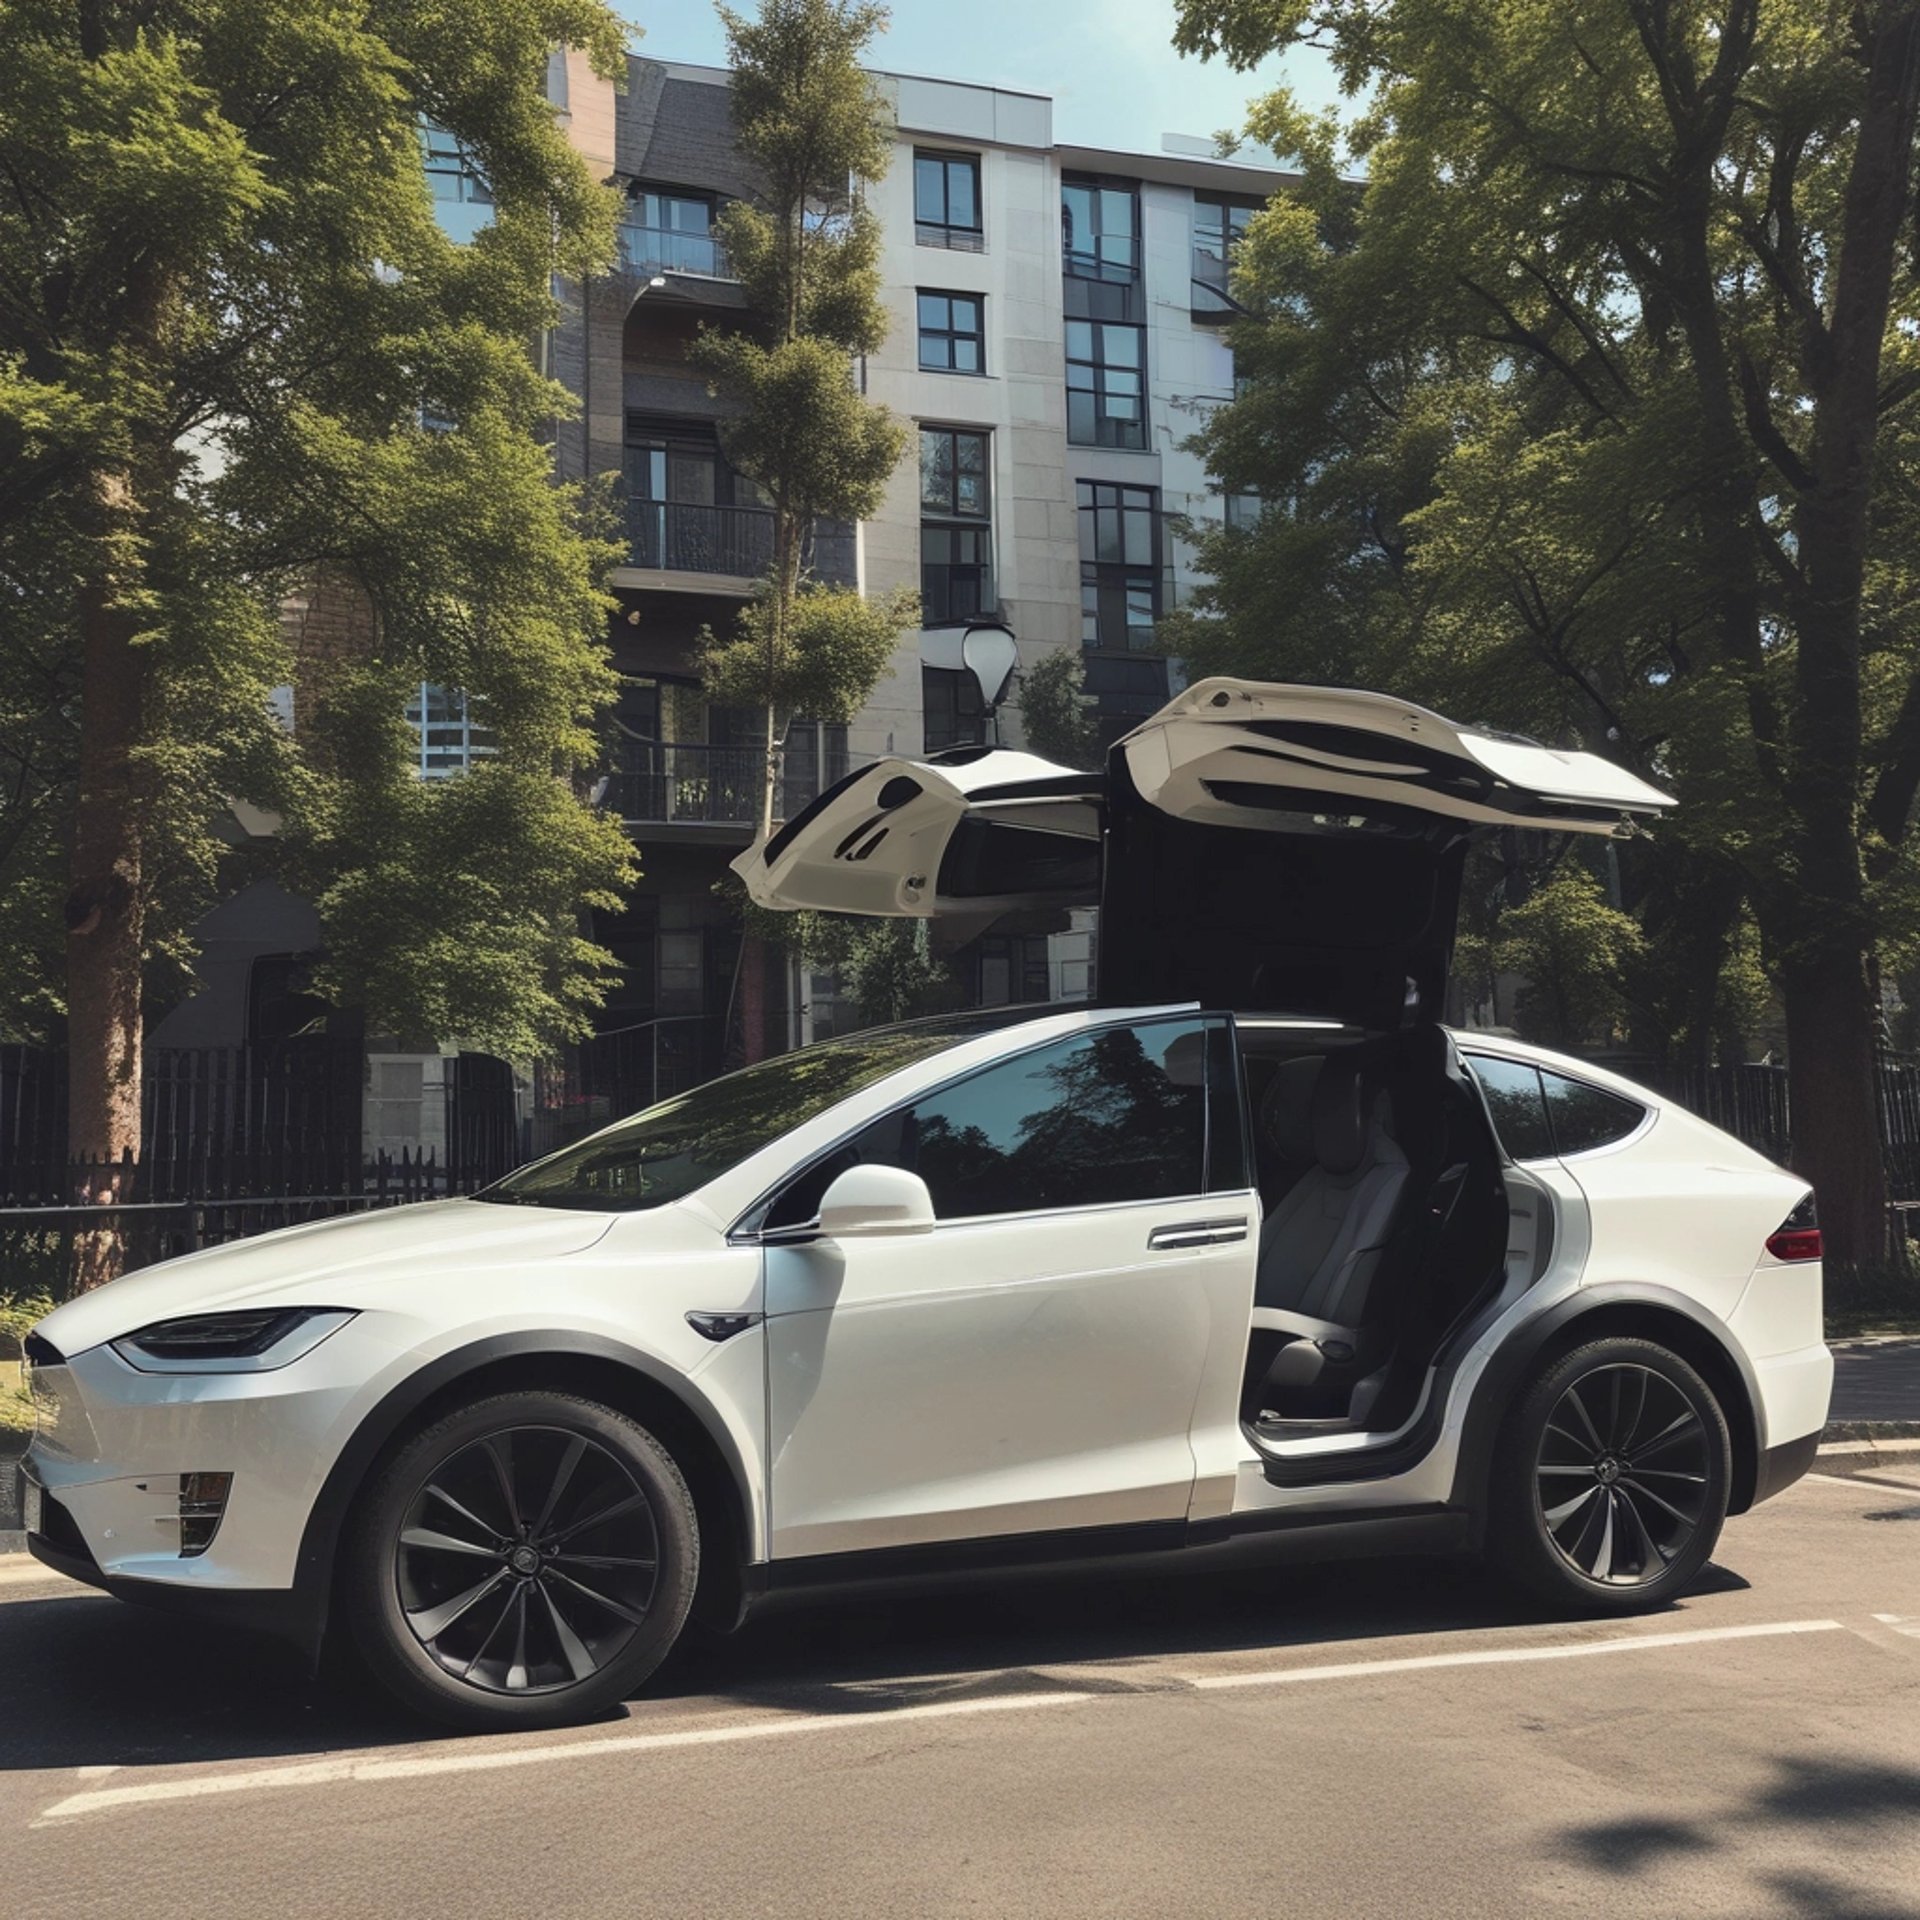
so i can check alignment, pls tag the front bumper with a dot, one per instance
(113, 1442)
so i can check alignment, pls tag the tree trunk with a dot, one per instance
(753, 1000)
(1828, 946)
(1836, 1119)
(104, 913)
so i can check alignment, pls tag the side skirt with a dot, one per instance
(1252, 1539)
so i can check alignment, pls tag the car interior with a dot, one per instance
(1385, 1223)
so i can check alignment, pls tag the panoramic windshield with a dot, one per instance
(679, 1145)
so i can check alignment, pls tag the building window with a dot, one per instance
(1243, 510)
(1218, 223)
(946, 201)
(1119, 565)
(672, 233)
(462, 200)
(952, 333)
(1012, 970)
(956, 526)
(1106, 384)
(951, 705)
(1100, 229)
(450, 742)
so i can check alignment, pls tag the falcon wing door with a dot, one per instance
(980, 831)
(1241, 754)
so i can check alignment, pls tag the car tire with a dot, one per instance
(1611, 1480)
(526, 1560)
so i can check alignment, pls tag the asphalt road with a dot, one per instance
(1398, 1740)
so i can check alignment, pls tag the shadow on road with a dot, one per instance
(1852, 1809)
(94, 1682)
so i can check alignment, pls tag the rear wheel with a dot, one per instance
(1612, 1478)
(525, 1561)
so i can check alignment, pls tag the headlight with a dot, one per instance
(251, 1340)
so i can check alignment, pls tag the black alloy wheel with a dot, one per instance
(528, 1561)
(525, 1561)
(1622, 1474)
(1612, 1478)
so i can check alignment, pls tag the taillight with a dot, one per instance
(1797, 1237)
(1795, 1243)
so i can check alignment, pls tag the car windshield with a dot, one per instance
(673, 1148)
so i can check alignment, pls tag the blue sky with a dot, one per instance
(1109, 64)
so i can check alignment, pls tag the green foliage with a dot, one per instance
(1574, 951)
(1056, 714)
(18, 1312)
(224, 304)
(823, 661)
(1546, 409)
(803, 432)
(815, 127)
(887, 968)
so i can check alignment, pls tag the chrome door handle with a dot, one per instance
(1198, 1233)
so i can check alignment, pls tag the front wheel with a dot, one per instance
(1612, 1478)
(525, 1561)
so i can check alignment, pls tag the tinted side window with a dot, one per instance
(1229, 1167)
(1585, 1117)
(1091, 1121)
(1517, 1104)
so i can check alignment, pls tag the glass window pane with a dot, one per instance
(933, 351)
(972, 450)
(966, 314)
(936, 469)
(962, 199)
(933, 310)
(966, 354)
(929, 191)
(1097, 1120)
(1079, 340)
(1120, 346)
(1080, 420)
(1584, 1116)
(970, 494)
(1518, 1108)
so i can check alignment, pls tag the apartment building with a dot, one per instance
(1056, 337)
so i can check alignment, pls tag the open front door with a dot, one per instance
(983, 831)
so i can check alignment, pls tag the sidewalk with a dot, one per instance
(1876, 1380)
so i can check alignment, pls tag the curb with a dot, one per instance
(1850, 1458)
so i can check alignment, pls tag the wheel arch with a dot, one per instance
(685, 1422)
(1633, 1311)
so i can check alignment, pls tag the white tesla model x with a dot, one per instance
(1250, 1257)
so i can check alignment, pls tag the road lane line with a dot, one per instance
(322, 1773)
(1506, 1656)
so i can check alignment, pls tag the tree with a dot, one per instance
(1574, 951)
(1592, 412)
(1056, 713)
(227, 314)
(806, 248)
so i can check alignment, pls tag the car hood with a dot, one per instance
(325, 1263)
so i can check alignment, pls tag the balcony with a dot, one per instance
(672, 536)
(649, 250)
(662, 783)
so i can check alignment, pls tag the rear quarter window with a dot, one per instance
(1518, 1106)
(1584, 1116)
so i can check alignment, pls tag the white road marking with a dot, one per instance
(321, 1773)
(495, 1756)
(1505, 1656)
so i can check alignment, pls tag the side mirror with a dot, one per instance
(872, 1200)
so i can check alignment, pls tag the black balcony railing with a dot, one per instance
(679, 538)
(674, 536)
(665, 783)
(666, 250)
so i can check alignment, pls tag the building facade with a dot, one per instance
(1056, 337)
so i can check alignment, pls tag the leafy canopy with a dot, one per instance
(227, 312)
